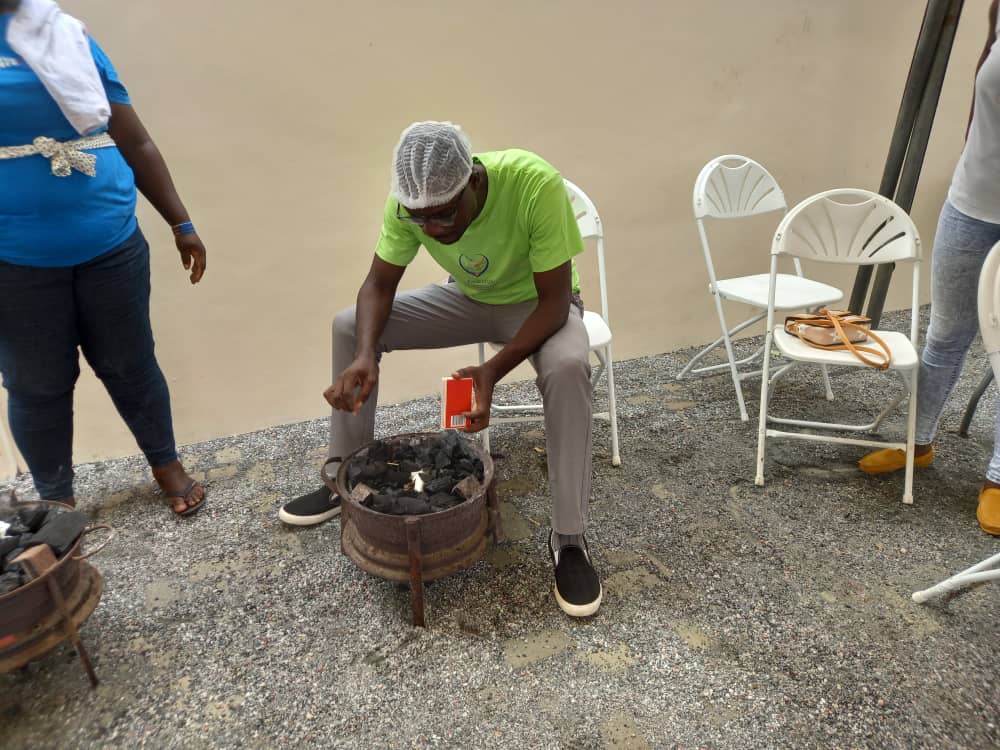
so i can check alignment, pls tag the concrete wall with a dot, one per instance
(278, 121)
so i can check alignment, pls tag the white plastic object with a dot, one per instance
(735, 187)
(598, 330)
(844, 226)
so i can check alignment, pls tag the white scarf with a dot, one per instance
(56, 48)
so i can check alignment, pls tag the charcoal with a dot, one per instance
(10, 557)
(411, 506)
(444, 501)
(7, 544)
(395, 476)
(444, 462)
(33, 518)
(60, 531)
(382, 503)
(440, 484)
(10, 581)
(373, 470)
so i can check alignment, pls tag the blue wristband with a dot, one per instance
(186, 228)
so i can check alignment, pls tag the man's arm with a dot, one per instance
(548, 317)
(374, 304)
(990, 38)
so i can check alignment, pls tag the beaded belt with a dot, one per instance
(65, 156)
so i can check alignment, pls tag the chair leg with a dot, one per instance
(970, 410)
(616, 459)
(762, 421)
(911, 429)
(732, 359)
(826, 382)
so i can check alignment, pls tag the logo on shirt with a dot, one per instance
(474, 265)
(8, 62)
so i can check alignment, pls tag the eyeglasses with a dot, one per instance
(444, 220)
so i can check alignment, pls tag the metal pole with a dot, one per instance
(916, 82)
(914, 162)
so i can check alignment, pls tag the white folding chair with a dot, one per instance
(733, 187)
(846, 227)
(989, 327)
(598, 329)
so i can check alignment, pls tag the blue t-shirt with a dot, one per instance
(57, 221)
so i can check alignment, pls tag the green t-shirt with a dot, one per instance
(527, 226)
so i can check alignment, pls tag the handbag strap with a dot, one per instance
(879, 359)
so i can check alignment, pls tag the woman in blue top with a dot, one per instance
(74, 265)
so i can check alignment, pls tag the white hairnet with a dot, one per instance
(431, 164)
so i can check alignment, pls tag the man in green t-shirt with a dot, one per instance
(501, 224)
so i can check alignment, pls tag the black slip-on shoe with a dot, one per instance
(311, 509)
(578, 587)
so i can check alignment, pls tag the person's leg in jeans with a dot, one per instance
(960, 248)
(112, 305)
(39, 362)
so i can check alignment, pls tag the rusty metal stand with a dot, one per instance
(416, 570)
(37, 561)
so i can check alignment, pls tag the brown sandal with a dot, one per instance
(186, 497)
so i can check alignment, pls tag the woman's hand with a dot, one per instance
(193, 255)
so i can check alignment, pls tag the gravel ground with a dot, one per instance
(734, 616)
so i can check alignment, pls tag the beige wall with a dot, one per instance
(278, 121)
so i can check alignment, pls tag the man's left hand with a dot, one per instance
(483, 381)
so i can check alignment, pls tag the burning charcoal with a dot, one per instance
(9, 581)
(468, 488)
(33, 518)
(411, 506)
(59, 531)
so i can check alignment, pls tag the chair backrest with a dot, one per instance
(848, 226)
(989, 305)
(589, 222)
(734, 186)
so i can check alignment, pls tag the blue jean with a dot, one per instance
(46, 316)
(960, 248)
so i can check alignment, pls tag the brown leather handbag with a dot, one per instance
(840, 330)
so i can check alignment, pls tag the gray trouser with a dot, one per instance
(440, 316)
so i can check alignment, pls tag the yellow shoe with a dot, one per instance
(988, 511)
(888, 460)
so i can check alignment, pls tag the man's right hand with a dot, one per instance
(354, 385)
